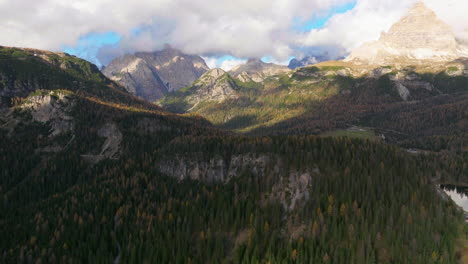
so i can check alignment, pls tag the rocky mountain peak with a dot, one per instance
(420, 28)
(254, 60)
(418, 35)
(214, 74)
(150, 75)
(256, 70)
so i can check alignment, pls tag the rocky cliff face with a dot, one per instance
(256, 70)
(176, 69)
(215, 85)
(419, 35)
(150, 75)
(53, 108)
(137, 76)
(289, 190)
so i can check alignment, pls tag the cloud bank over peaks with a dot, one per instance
(370, 18)
(241, 28)
(211, 28)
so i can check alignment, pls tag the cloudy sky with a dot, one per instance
(224, 32)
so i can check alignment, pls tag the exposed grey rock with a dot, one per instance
(257, 71)
(150, 75)
(137, 76)
(379, 72)
(111, 147)
(403, 91)
(342, 73)
(215, 169)
(176, 69)
(290, 187)
(53, 108)
(418, 36)
(215, 85)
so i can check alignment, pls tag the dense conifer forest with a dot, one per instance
(292, 198)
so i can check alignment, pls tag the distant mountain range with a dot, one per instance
(256, 70)
(337, 162)
(418, 36)
(150, 75)
(358, 91)
(88, 166)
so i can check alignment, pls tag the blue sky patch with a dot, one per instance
(88, 45)
(319, 22)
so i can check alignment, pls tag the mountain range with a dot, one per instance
(419, 35)
(338, 162)
(358, 91)
(150, 75)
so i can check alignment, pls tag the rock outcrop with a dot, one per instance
(419, 36)
(137, 76)
(176, 69)
(111, 147)
(150, 75)
(257, 71)
(290, 187)
(51, 107)
(215, 85)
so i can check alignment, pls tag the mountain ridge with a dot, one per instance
(338, 162)
(256, 70)
(150, 75)
(418, 36)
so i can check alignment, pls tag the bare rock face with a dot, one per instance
(419, 35)
(176, 69)
(215, 169)
(215, 85)
(111, 147)
(257, 71)
(53, 108)
(290, 188)
(150, 75)
(137, 76)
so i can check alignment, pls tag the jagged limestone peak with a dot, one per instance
(418, 35)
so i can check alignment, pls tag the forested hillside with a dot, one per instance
(23, 71)
(90, 174)
(362, 203)
(416, 107)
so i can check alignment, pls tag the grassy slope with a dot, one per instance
(23, 71)
(364, 134)
(279, 98)
(64, 202)
(321, 99)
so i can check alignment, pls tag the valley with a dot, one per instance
(158, 158)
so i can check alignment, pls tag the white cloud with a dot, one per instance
(227, 65)
(211, 62)
(241, 28)
(370, 17)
